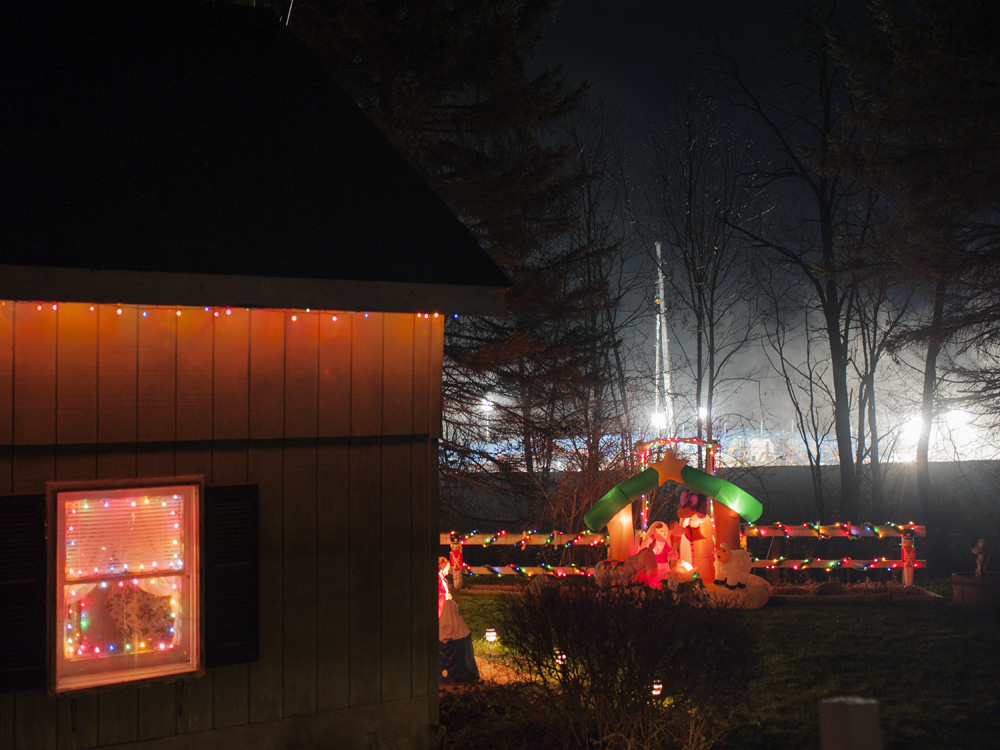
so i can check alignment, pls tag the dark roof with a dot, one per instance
(200, 145)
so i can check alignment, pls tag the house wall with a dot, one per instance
(337, 422)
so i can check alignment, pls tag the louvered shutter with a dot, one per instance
(229, 575)
(22, 592)
(229, 578)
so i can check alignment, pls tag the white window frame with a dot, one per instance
(148, 582)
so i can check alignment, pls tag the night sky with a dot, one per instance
(636, 52)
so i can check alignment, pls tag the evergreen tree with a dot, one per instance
(446, 80)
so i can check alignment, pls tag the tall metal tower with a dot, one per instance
(663, 402)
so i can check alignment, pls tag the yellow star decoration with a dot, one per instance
(669, 467)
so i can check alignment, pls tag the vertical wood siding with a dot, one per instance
(156, 378)
(34, 374)
(333, 657)
(333, 415)
(6, 394)
(117, 368)
(231, 375)
(76, 375)
(195, 366)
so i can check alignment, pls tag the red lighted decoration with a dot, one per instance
(124, 589)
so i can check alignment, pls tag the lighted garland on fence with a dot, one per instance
(529, 571)
(590, 539)
(531, 538)
(775, 530)
(830, 565)
(836, 530)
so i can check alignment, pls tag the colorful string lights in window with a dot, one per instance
(126, 582)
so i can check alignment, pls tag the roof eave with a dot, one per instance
(33, 283)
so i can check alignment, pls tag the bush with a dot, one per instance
(596, 654)
(497, 717)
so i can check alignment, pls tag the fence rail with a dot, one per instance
(774, 531)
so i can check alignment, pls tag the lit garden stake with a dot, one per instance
(657, 686)
(491, 634)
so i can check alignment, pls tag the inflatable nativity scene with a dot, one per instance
(703, 543)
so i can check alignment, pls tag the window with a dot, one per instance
(124, 596)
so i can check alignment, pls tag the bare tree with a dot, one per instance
(926, 95)
(824, 212)
(694, 198)
(790, 345)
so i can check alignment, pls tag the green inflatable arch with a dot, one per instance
(670, 467)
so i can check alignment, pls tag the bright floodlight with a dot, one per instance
(659, 420)
(959, 426)
(487, 405)
(958, 419)
(912, 428)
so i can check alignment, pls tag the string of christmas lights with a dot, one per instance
(644, 450)
(831, 531)
(590, 539)
(529, 571)
(830, 565)
(215, 311)
(123, 576)
(531, 538)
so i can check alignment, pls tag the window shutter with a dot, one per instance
(229, 574)
(22, 592)
(229, 578)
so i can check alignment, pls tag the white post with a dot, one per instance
(849, 723)
(657, 354)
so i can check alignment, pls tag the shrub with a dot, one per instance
(497, 717)
(596, 654)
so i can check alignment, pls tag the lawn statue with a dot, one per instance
(733, 584)
(709, 514)
(909, 557)
(640, 568)
(444, 593)
(456, 561)
(732, 567)
(456, 659)
(692, 503)
(664, 540)
(697, 544)
(982, 553)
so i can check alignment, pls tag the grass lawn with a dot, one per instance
(935, 668)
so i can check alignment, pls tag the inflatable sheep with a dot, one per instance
(732, 567)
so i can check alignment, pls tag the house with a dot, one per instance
(219, 286)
